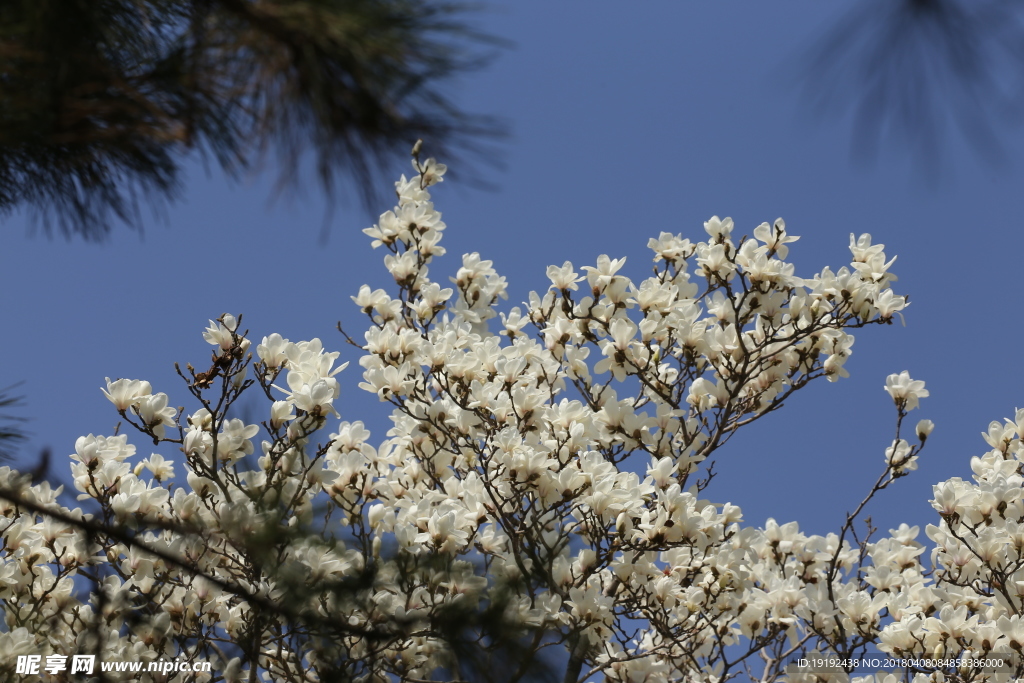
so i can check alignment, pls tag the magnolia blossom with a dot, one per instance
(543, 484)
(905, 392)
(160, 467)
(126, 393)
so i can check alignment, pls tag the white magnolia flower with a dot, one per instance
(125, 393)
(774, 237)
(160, 468)
(564, 277)
(155, 413)
(905, 392)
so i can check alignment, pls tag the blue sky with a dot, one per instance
(625, 122)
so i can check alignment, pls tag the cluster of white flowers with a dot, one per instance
(507, 494)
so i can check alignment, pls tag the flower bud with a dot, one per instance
(375, 514)
(924, 428)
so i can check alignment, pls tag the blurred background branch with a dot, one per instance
(12, 434)
(905, 70)
(101, 100)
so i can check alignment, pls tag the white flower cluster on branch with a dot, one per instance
(538, 502)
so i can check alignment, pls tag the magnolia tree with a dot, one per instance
(537, 507)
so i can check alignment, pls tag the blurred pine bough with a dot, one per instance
(102, 100)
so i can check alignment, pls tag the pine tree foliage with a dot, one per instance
(102, 100)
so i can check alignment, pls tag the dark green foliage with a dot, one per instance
(910, 70)
(11, 433)
(101, 100)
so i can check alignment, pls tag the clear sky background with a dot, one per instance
(626, 120)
